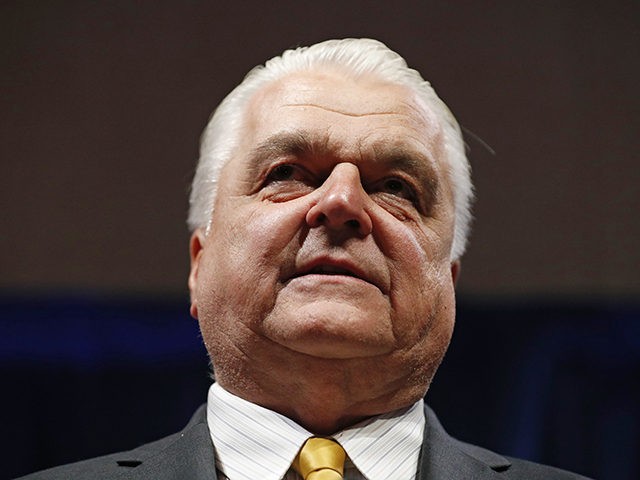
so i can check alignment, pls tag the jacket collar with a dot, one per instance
(190, 454)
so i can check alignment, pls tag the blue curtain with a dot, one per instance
(556, 383)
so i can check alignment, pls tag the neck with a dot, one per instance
(328, 395)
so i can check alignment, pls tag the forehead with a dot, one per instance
(350, 118)
(361, 96)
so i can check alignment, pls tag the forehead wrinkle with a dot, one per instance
(342, 112)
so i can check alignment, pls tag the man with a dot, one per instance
(330, 210)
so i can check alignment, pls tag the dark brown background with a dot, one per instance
(103, 103)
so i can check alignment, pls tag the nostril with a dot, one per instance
(353, 224)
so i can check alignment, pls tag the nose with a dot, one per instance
(342, 203)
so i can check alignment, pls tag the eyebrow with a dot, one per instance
(296, 143)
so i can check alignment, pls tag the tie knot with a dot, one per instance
(320, 459)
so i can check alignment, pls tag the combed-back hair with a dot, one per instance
(355, 58)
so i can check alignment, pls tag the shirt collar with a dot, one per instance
(381, 447)
(388, 445)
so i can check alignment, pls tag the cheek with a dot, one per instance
(417, 257)
(260, 230)
(245, 252)
(422, 296)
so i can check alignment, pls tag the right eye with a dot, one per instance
(289, 172)
(287, 181)
(282, 173)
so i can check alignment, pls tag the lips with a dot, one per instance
(334, 266)
(330, 270)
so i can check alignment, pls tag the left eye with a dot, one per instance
(398, 187)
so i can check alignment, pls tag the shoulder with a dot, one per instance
(510, 468)
(535, 471)
(446, 457)
(189, 449)
(108, 466)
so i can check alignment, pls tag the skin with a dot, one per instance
(325, 290)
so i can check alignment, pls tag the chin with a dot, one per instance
(337, 349)
(333, 332)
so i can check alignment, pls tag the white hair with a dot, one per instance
(357, 57)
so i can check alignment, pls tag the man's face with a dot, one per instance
(331, 230)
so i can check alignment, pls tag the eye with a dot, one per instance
(282, 173)
(288, 176)
(398, 187)
(287, 172)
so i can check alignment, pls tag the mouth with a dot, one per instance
(332, 267)
(330, 270)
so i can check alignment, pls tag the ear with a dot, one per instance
(455, 271)
(196, 248)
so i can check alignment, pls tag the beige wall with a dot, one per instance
(103, 104)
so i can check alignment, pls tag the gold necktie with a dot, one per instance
(320, 459)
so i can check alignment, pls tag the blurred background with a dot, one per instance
(102, 106)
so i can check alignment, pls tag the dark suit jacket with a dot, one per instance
(189, 455)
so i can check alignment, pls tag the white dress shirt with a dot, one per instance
(252, 442)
